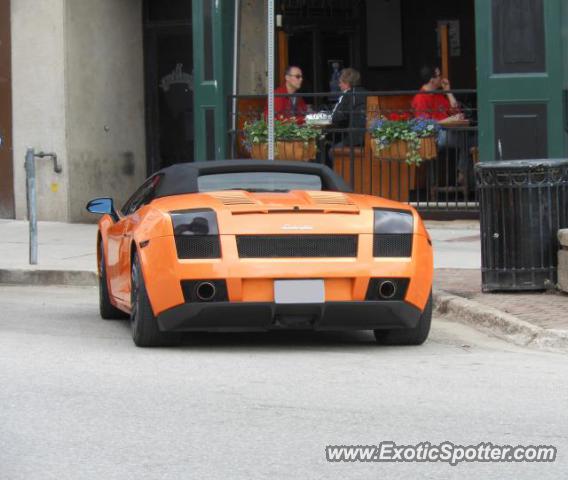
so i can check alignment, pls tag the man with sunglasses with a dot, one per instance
(291, 108)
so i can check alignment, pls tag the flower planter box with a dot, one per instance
(299, 151)
(398, 150)
(259, 151)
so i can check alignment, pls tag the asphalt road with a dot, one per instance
(78, 400)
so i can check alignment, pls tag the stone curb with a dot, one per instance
(48, 277)
(500, 324)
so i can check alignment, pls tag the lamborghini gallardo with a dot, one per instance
(252, 245)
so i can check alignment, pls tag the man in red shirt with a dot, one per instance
(293, 108)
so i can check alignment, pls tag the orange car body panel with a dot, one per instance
(250, 279)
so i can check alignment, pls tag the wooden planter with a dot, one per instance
(259, 151)
(398, 150)
(299, 151)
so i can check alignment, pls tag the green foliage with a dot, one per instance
(257, 131)
(385, 132)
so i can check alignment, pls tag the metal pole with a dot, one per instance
(234, 120)
(31, 194)
(270, 43)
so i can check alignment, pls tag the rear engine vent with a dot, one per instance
(233, 198)
(330, 198)
(392, 245)
(305, 246)
(198, 246)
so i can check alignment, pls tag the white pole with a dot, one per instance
(270, 54)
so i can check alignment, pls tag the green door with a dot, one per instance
(213, 25)
(565, 57)
(519, 77)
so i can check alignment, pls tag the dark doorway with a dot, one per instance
(316, 52)
(365, 34)
(168, 59)
(322, 36)
(6, 165)
(417, 37)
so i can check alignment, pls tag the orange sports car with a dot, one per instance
(258, 245)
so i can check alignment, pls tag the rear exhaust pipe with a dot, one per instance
(387, 290)
(205, 291)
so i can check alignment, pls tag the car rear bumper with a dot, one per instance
(262, 316)
(250, 281)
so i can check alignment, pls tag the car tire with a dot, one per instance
(106, 309)
(408, 336)
(143, 323)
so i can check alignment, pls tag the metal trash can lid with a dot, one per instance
(524, 165)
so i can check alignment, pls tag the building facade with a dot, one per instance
(120, 88)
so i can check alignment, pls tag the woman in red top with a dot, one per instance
(442, 107)
(438, 106)
(292, 108)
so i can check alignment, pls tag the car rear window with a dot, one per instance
(259, 181)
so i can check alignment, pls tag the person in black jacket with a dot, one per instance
(349, 112)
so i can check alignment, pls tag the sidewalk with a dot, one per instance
(66, 255)
(537, 319)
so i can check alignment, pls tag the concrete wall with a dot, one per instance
(252, 74)
(78, 90)
(38, 99)
(105, 101)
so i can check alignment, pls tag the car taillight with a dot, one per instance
(196, 233)
(393, 231)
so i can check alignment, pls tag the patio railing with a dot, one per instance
(441, 185)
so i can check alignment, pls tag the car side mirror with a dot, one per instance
(103, 206)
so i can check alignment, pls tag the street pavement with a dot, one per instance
(80, 401)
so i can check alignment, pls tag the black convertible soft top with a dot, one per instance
(182, 178)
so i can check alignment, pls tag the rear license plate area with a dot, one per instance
(299, 291)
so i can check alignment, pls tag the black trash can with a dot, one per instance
(523, 204)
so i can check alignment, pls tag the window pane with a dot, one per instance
(208, 71)
(518, 36)
(259, 181)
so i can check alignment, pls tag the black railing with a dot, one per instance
(434, 173)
